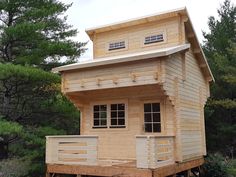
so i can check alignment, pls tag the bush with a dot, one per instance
(14, 168)
(232, 168)
(215, 166)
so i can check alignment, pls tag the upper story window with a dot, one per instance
(109, 114)
(116, 45)
(154, 39)
(152, 117)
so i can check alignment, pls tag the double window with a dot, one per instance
(112, 115)
(152, 117)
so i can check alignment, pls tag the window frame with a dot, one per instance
(109, 126)
(116, 45)
(99, 126)
(117, 117)
(154, 39)
(158, 32)
(162, 116)
(115, 41)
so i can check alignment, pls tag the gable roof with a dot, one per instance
(124, 58)
(191, 34)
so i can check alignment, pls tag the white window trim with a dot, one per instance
(162, 114)
(117, 50)
(155, 43)
(109, 126)
(100, 126)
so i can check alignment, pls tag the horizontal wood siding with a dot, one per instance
(120, 143)
(134, 37)
(154, 151)
(188, 88)
(139, 73)
(71, 149)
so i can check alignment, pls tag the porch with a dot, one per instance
(151, 151)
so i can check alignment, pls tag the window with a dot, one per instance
(100, 115)
(109, 114)
(152, 117)
(154, 39)
(117, 45)
(117, 115)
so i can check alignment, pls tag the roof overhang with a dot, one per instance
(157, 17)
(136, 21)
(123, 58)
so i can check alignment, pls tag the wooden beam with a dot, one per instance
(203, 65)
(183, 57)
(122, 170)
(115, 80)
(156, 76)
(190, 35)
(133, 77)
(184, 18)
(196, 51)
(82, 83)
(106, 171)
(177, 168)
(98, 82)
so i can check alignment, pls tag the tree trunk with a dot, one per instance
(3, 150)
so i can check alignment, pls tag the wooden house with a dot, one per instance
(141, 100)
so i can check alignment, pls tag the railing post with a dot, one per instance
(154, 151)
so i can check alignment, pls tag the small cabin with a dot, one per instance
(141, 100)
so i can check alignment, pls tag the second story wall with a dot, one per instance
(171, 29)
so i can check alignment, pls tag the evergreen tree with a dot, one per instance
(220, 49)
(32, 107)
(35, 32)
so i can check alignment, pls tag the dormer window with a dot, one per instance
(154, 39)
(116, 45)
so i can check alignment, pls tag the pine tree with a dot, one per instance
(220, 49)
(35, 32)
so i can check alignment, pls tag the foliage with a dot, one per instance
(9, 128)
(232, 168)
(9, 132)
(35, 32)
(32, 108)
(215, 166)
(23, 89)
(14, 167)
(220, 49)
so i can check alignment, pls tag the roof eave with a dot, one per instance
(138, 20)
(122, 58)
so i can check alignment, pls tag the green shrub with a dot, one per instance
(14, 168)
(215, 166)
(232, 168)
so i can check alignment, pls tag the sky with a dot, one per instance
(85, 14)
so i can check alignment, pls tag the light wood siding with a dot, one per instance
(134, 37)
(129, 74)
(71, 149)
(188, 89)
(120, 143)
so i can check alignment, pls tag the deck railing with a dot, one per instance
(71, 149)
(154, 151)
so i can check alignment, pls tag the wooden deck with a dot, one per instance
(122, 169)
